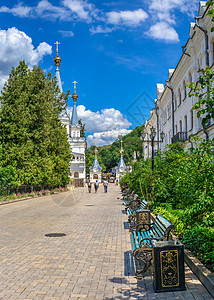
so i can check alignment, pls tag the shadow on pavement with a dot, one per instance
(128, 264)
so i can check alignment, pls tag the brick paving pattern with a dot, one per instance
(92, 261)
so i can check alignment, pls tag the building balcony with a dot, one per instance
(179, 137)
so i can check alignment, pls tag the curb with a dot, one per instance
(27, 198)
(204, 275)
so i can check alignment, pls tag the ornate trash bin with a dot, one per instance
(143, 216)
(168, 258)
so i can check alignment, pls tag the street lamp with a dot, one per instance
(152, 141)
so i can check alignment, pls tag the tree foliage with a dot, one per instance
(182, 189)
(203, 89)
(34, 141)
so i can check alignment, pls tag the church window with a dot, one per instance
(176, 128)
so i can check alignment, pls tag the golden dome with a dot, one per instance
(74, 96)
(57, 60)
(121, 151)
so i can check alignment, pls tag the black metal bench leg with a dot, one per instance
(144, 257)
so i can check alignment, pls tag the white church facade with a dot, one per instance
(173, 113)
(77, 143)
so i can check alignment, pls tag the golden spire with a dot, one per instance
(95, 151)
(121, 150)
(75, 96)
(57, 59)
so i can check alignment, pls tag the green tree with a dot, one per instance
(33, 139)
(203, 89)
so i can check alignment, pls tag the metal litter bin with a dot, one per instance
(168, 258)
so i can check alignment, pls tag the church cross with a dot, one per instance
(75, 86)
(57, 47)
(121, 144)
(96, 143)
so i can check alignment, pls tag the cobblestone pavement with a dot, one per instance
(91, 261)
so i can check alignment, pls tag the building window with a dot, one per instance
(176, 129)
(180, 125)
(175, 103)
(191, 119)
(213, 53)
(185, 90)
(185, 124)
(76, 175)
(179, 96)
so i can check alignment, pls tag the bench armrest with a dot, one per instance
(144, 226)
(147, 241)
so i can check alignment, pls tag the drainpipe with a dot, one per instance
(156, 111)
(207, 62)
(206, 42)
(173, 116)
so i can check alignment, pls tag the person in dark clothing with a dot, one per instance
(96, 185)
(89, 186)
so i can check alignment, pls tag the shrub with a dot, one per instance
(200, 241)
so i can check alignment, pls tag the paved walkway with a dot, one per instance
(91, 261)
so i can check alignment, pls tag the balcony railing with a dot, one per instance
(179, 137)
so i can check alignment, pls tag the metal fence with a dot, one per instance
(24, 189)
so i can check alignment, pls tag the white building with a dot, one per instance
(173, 112)
(121, 168)
(77, 143)
(95, 169)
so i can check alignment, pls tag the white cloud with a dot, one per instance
(16, 46)
(101, 29)
(46, 10)
(106, 137)
(163, 31)
(107, 119)
(105, 125)
(18, 10)
(127, 17)
(83, 9)
(163, 14)
(185, 6)
(66, 33)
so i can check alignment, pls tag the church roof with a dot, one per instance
(95, 164)
(57, 74)
(74, 118)
(121, 163)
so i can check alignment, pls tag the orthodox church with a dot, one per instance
(121, 169)
(95, 169)
(77, 143)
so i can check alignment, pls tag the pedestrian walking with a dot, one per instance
(96, 185)
(105, 184)
(89, 186)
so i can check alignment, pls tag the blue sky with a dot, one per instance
(116, 50)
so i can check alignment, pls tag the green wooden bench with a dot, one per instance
(141, 240)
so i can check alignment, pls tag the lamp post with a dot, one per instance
(152, 141)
